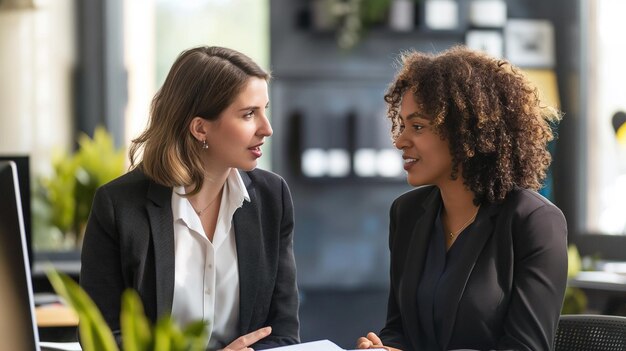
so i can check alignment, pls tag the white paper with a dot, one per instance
(60, 346)
(320, 345)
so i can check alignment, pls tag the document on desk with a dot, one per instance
(59, 346)
(320, 345)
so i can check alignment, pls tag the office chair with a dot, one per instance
(586, 332)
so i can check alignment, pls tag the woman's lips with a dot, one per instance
(409, 162)
(256, 151)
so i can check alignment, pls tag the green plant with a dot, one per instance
(352, 17)
(138, 334)
(575, 301)
(355, 17)
(374, 11)
(63, 200)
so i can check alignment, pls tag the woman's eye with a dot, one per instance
(418, 127)
(249, 114)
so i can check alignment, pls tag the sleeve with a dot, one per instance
(539, 281)
(283, 313)
(100, 272)
(392, 333)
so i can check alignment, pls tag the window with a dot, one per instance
(157, 32)
(605, 127)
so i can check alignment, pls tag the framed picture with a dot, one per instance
(441, 14)
(545, 81)
(488, 41)
(529, 43)
(487, 13)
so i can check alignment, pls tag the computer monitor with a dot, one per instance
(18, 326)
(23, 175)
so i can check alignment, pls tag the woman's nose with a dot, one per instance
(400, 142)
(265, 128)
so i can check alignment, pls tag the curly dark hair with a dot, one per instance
(487, 110)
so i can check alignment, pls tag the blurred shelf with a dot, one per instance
(69, 267)
(352, 180)
(599, 280)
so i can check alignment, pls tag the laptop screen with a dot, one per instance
(23, 176)
(18, 327)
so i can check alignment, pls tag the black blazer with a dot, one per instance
(508, 295)
(129, 243)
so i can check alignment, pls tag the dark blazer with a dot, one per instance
(129, 243)
(509, 292)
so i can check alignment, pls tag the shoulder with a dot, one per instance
(269, 188)
(534, 219)
(524, 203)
(120, 201)
(262, 179)
(130, 185)
(127, 181)
(415, 197)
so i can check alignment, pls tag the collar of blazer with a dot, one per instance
(247, 224)
(250, 242)
(421, 233)
(159, 208)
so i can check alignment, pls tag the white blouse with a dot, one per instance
(206, 283)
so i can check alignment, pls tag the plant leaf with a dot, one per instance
(136, 333)
(574, 262)
(162, 335)
(195, 329)
(94, 331)
(196, 335)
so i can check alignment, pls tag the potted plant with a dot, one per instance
(575, 301)
(352, 18)
(62, 201)
(138, 334)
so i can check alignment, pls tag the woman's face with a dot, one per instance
(427, 158)
(236, 136)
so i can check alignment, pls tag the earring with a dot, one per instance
(204, 145)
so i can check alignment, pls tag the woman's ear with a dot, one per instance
(199, 128)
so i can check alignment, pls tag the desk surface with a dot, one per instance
(56, 316)
(599, 280)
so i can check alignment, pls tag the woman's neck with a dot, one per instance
(458, 211)
(458, 200)
(211, 186)
(206, 203)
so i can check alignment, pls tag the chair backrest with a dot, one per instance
(585, 332)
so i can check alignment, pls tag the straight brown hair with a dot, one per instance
(202, 82)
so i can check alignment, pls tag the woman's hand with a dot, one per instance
(372, 341)
(242, 342)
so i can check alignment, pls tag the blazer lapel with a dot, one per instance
(481, 231)
(161, 223)
(415, 262)
(248, 235)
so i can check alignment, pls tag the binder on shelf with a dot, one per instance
(324, 145)
(374, 154)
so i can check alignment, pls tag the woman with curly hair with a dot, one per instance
(478, 257)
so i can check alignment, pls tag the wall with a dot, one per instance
(341, 225)
(36, 59)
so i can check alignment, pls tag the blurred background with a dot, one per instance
(77, 78)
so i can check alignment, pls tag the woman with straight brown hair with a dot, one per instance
(195, 227)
